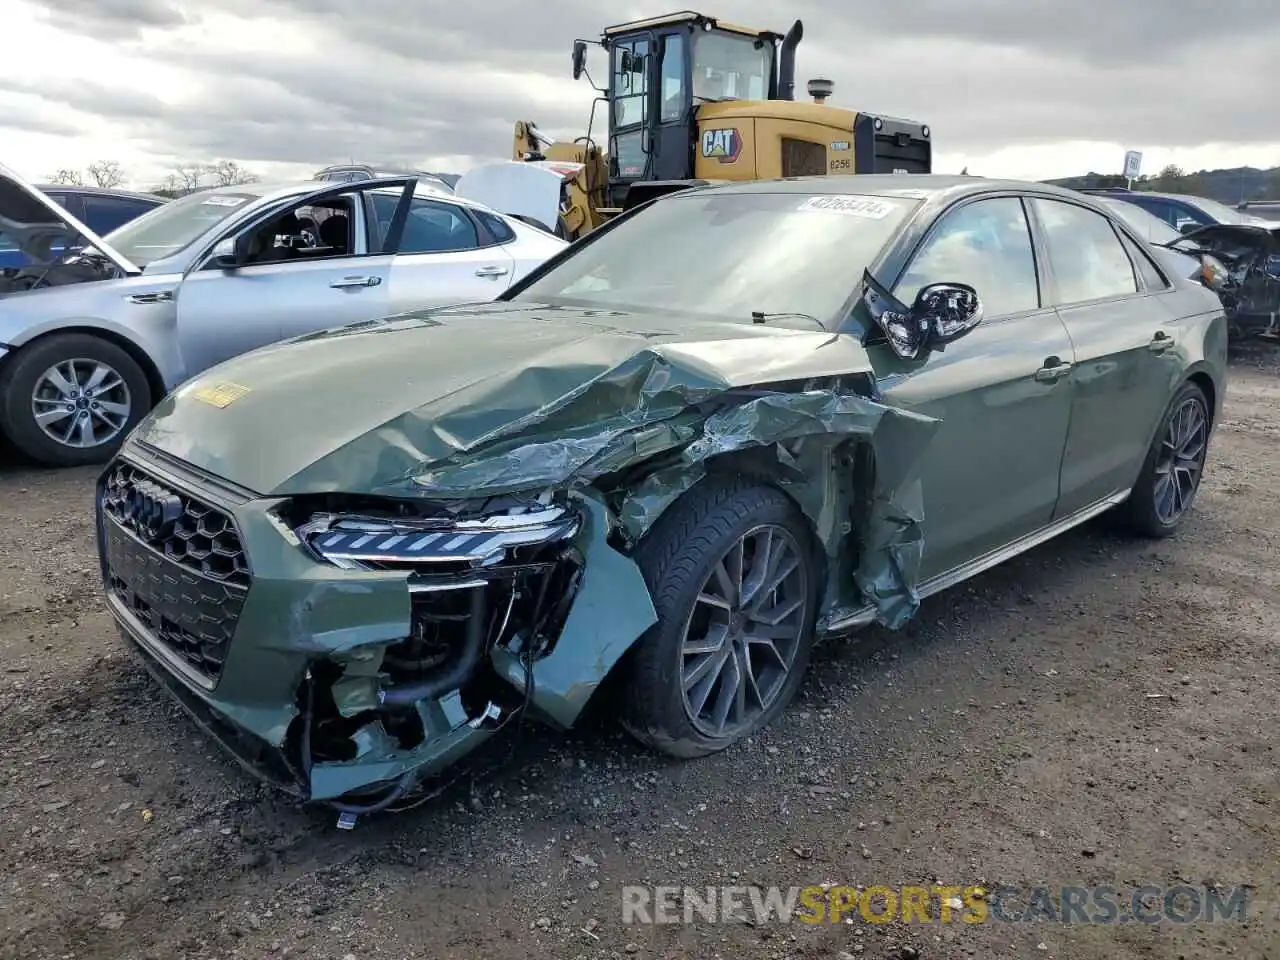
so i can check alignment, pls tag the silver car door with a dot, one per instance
(279, 291)
(439, 258)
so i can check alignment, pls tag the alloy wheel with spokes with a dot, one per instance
(81, 403)
(741, 638)
(1180, 460)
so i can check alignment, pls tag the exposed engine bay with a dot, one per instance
(56, 255)
(501, 574)
(1241, 265)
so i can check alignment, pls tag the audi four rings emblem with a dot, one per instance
(152, 509)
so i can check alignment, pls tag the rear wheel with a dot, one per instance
(733, 575)
(1171, 473)
(71, 399)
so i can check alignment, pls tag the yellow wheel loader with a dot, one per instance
(690, 100)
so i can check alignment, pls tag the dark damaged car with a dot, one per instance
(730, 423)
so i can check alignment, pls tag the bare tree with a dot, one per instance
(228, 173)
(190, 176)
(106, 173)
(69, 176)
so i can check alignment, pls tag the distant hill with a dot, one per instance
(1227, 186)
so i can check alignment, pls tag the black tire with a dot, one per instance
(1140, 514)
(18, 381)
(677, 557)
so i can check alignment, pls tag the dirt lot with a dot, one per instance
(1097, 712)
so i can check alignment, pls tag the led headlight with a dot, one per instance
(354, 541)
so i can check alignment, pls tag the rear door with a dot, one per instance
(441, 254)
(223, 313)
(1125, 343)
(991, 473)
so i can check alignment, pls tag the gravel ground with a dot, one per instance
(1098, 711)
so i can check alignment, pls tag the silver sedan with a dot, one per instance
(99, 329)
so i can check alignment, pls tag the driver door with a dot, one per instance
(991, 474)
(225, 312)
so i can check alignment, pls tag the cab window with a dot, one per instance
(673, 87)
(629, 88)
(987, 245)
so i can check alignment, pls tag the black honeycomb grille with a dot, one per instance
(191, 533)
(176, 564)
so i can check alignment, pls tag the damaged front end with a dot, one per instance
(1241, 263)
(384, 598)
(371, 632)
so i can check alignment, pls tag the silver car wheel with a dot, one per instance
(81, 403)
(743, 635)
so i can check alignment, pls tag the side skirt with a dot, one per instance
(867, 615)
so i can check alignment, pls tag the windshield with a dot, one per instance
(1147, 225)
(729, 254)
(171, 227)
(730, 67)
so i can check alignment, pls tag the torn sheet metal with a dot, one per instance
(500, 398)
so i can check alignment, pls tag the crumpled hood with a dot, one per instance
(1263, 235)
(372, 407)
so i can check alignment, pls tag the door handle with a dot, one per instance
(355, 282)
(1160, 342)
(1052, 370)
(164, 296)
(493, 272)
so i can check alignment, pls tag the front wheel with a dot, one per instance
(70, 399)
(1171, 473)
(733, 573)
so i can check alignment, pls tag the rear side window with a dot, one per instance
(1086, 255)
(496, 226)
(430, 227)
(1152, 278)
(104, 214)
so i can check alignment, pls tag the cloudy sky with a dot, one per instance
(1021, 88)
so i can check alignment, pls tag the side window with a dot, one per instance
(1088, 260)
(987, 245)
(673, 90)
(104, 214)
(1158, 208)
(1152, 278)
(58, 197)
(497, 227)
(630, 62)
(431, 227)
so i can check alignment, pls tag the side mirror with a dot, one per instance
(946, 312)
(1188, 227)
(231, 253)
(579, 58)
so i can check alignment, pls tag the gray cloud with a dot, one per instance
(407, 83)
(103, 19)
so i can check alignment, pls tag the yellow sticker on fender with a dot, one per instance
(220, 394)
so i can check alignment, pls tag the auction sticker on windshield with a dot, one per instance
(869, 207)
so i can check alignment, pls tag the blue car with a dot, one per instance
(99, 209)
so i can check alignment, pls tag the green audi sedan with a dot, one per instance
(734, 421)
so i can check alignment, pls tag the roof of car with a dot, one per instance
(99, 191)
(919, 186)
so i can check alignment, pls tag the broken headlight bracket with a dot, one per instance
(446, 557)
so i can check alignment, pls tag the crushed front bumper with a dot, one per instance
(251, 633)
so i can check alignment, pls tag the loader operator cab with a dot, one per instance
(691, 98)
(661, 70)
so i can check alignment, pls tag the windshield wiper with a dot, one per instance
(758, 316)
